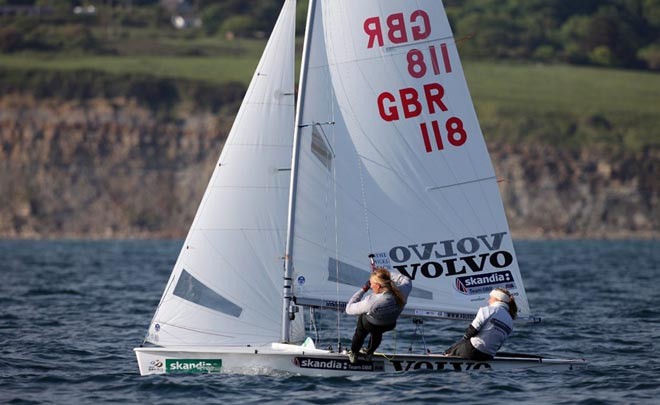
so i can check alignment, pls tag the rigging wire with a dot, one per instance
(336, 219)
(419, 331)
(314, 324)
(364, 202)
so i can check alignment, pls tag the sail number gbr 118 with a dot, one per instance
(408, 102)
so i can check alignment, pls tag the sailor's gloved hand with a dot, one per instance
(366, 286)
(470, 332)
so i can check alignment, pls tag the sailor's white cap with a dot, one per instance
(500, 296)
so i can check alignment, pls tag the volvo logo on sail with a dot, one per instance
(451, 257)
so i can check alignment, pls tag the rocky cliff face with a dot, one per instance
(550, 192)
(100, 169)
(111, 169)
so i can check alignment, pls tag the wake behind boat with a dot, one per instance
(383, 154)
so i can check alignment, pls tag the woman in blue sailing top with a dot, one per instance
(489, 329)
(379, 311)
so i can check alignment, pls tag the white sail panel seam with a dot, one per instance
(431, 188)
(229, 265)
(274, 326)
(350, 110)
(449, 169)
(356, 61)
(236, 271)
(418, 42)
(250, 187)
(205, 332)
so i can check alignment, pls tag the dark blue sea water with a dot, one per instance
(71, 313)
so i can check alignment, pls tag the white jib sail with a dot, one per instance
(393, 162)
(226, 286)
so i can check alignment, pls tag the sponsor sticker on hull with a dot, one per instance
(438, 365)
(156, 365)
(321, 363)
(193, 365)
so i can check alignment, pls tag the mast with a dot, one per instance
(287, 294)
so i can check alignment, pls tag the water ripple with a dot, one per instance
(71, 312)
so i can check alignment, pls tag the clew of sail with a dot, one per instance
(225, 288)
(392, 161)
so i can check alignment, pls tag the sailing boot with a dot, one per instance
(366, 354)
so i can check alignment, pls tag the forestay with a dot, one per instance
(392, 161)
(226, 285)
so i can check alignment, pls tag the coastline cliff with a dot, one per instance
(111, 168)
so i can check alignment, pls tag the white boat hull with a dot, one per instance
(315, 362)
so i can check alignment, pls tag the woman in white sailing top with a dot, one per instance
(379, 311)
(489, 329)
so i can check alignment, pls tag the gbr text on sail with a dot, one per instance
(425, 62)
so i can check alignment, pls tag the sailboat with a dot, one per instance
(380, 156)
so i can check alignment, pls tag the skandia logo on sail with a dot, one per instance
(472, 285)
(451, 257)
(193, 365)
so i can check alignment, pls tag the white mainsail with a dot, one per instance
(392, 161)
(226, 285)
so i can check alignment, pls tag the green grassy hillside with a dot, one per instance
(220, 69)
(566, 104)
(558, 104)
